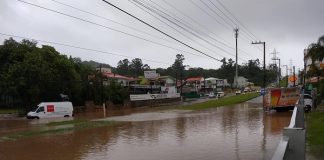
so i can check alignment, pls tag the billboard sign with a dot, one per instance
(150, 74)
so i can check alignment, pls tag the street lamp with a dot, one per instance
(264, 69)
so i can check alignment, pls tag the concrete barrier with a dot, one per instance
(292, 144)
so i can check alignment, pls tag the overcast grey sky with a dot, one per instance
(287, 25)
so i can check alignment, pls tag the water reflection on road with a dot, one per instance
(242, 131)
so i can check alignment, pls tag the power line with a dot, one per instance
(160, 31)
(245, 34)
(110, 20)
(100, 25)
(234, 17)
(188, 25)
(216, 13)
(204, 27)
(140, 7)
(229, 18)
(225, 26)
(159, 14)
(78, 47)
(204, 11)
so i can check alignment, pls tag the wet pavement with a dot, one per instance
(242, 131)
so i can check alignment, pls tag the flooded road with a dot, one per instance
(241, 131)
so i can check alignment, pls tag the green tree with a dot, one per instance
(136, 67)
(316, 53)
(123, 67)
(178, 66)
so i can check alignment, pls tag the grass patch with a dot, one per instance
(65, 122)
(8, 111)
(315, 133)
(78, 125)
(221, 102)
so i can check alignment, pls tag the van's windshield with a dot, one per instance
(34, 108)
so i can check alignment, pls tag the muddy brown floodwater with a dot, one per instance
(242, 131)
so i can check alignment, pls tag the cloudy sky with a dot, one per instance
(288, 26)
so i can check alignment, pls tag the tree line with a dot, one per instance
(30, 74)
(315, 51)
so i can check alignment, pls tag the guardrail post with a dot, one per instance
(296, 145)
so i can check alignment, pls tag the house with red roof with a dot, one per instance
(195, 83)
(122, 80)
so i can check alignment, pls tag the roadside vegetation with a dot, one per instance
(221, 102)
(59, 128)
(30, 74)
(8, 111)
(315, 132)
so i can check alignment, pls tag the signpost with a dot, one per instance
(292, 80)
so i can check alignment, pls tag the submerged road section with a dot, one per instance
(242, 131)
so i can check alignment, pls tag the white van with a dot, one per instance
(51, 110)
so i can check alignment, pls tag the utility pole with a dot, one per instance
(304, 75)
(236, 64)
(181, 79)
(102, 98)
(264, 69)
(286, 74)
(294, 76)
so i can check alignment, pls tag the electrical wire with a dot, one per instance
(82, 48)
(154, 11)
(234, 17)
(204, 27)
(110, 20)
(184, 35)
(188, 25)
(116, 30)
(161, 31)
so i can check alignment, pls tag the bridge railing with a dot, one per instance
(292, 144)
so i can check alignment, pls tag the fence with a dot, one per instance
(292, 144)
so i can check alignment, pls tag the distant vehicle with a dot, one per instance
(51, 110)
(238, 92)
(211, 95)
(262, 91)
(281, 98)
(308, 102)
(247, 89)
(220, 94)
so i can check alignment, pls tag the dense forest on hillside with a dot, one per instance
(31, 74)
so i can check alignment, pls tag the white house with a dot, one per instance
(241, 82)
(216, 82)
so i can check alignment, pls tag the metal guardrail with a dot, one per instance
(292, 144)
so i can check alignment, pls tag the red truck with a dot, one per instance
(281, 98)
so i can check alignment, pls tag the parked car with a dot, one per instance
(220, 94)
(247, 89)
(238, 92)
(262, 91)
(308, 102)
(51, 110)
(211, 95)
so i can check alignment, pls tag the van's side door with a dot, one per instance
(50, 110)
(41, 112)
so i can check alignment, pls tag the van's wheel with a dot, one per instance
(66, 116)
